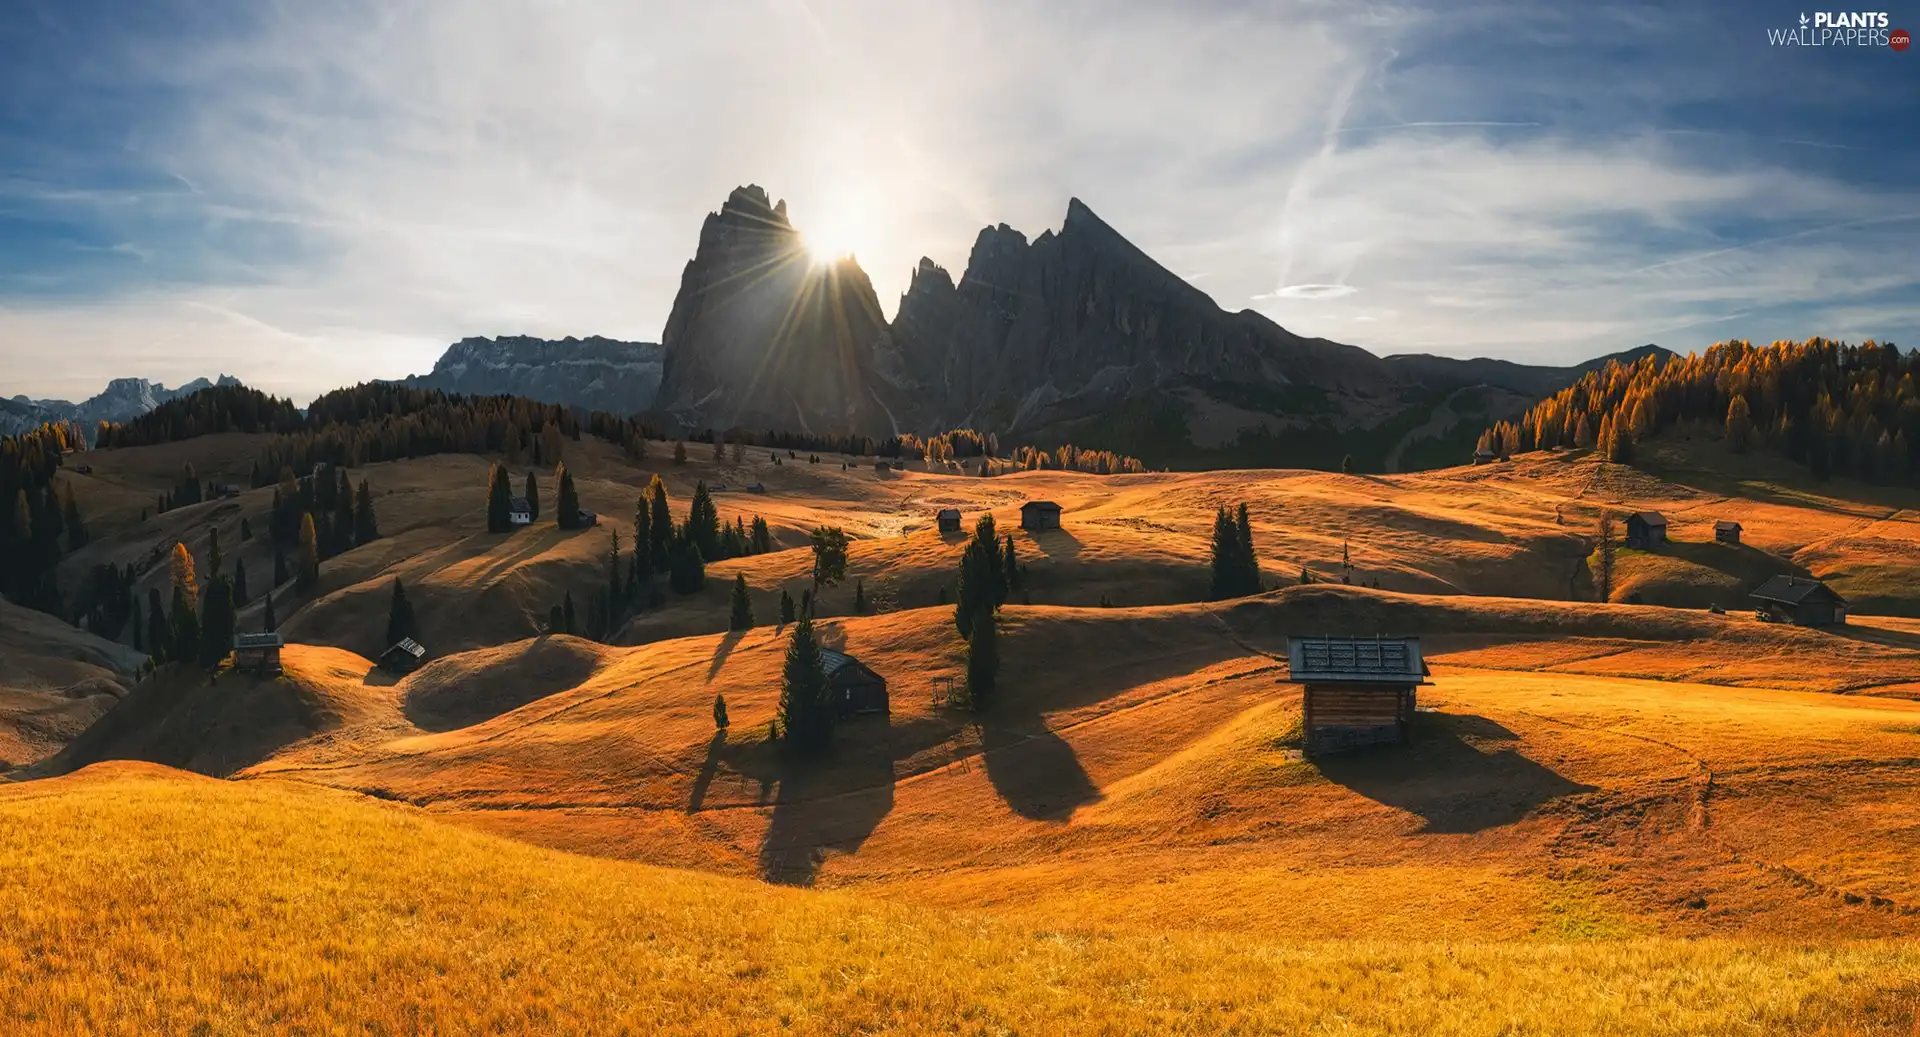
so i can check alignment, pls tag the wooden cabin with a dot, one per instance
(404, 657)
(519, 512)
(882, 466)
(1800, 600)
(855, 688)
(1726, 532)
(1355, 690)
(1484, 455)
(754, 487)
(259, 653)
(1036, 515)
(1645, 529)
(584, 519)
(949, 519)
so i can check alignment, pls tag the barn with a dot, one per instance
(1645, 529)
(404, 657)
(1355, 690)
(1036, 515)
(949, 519)
(258, 652)
(1800, 600)
(855, 688)
(1726, 532)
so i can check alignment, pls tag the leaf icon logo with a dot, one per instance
(1803, 19)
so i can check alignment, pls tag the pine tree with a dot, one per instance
(159, 633)
(499, 501)
(183, 577)
(216, 623)
(532, 493)
(246, 530)
(307, 571)
(860, 597)
(703, 522)
(719, 712)
(76, 529)
(566, 613)
(740, 608)
(983, 661)
(786, 607)
(679, 451)
(566, 503)
(1603, 568)
(829, 555)
(616, 587)
(761, 538)
(400, 622)
(1011, 565)
(660, 528)
(1346, 464)
(1248, 561)
(215, 560)
(366, 527)
(240, 596)
(556, 620)
(686, 569)
(134, 624)
(267, 620)
(280, 574)
(183, 634)
(642, 547)
(1223, 580)
(806, 708)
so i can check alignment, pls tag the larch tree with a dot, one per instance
(267, 620)
(532, 494)
(180, 568)
(659, 524)
(566, 503)
(1604, 561)
(740, 606)
(216, 623)
(240, 596)
(400, 621)
(366, 527)
(307, 564)
(499, 501)
(806, 706)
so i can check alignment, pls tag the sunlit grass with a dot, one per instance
(138, 901)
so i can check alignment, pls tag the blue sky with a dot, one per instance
(312, 194)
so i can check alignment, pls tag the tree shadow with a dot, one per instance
(722, 650)
(1056, 543)
(835, 803)
(708, 769)
(1449, 777)
(1034, 770)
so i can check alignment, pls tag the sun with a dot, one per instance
(834, 234)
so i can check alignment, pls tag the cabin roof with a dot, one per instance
(270, 639)
(409, 646)
(1651, 518)
(1795, 590)
(518, 504)
(950, 513)
(1043, 505)
(1725, 524)
(833, 662)
(1390, 660)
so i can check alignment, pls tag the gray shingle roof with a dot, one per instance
(1373, 659)
(266, 640)
(1793, 590)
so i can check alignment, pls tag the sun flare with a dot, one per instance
(834, 234)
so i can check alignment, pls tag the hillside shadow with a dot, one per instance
(1453, 785)
(1035, 771)
(440, 700)
(833, 803)
(380, 677)
(1056, 544)
(722, 650)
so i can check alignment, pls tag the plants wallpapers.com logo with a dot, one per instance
(1841, 29)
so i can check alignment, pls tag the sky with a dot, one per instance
(311, 194)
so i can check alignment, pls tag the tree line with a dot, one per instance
(41, 523)
(1838, 409)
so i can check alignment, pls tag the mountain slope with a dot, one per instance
(122, 400)
(593, 373)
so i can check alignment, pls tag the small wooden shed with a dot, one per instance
(1645, 529)
(1036, 515)
(1726, 532)
(1484, 455)
(1800, 600)
(855, 688)
(1355, 690)
(404, 657)
(519, 512)
(258, 652)
(584, 519)
(949, 520)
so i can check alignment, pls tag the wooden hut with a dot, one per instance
(519, 512)
(1484, 455)
(1800, 600)
(258, 652)
(404, 657)
(1645, 529)
(1726, 532)
(855, 688)
(1036, 515)
(949, 520)
(1355, 690)
(584, 519)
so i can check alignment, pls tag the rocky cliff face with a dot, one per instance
(122, 400)
(594, 373)
(762, 337)
(1044, 333)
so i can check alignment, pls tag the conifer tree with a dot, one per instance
(740, 608)
(246, 531)
(761, 538)
(134, 624)
(1249, 562)
(642, 569)
(183, 634)
(267, 620)
(1739, 424)
(566, 612)
(660, 525)
(239, 582)
(280, 574)
(719, 712)
(307, 567)
(159, 634)
(556, 620)
(703, 522)
(366, 527)
(860, 597)
(806, 708)
(566, 503)
(1012, 566)
(616, 587)
(983, 661)
(76, 530)
(686, 569)
(216, 623)
(1346, 465)
(215, 560)
(829, 555)
(532, 493)
(1225, 546)
(679, 451)
(400, 622)
(1604, 563)
(786, 607)
(499, 501)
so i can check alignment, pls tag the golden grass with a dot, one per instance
(143, 901)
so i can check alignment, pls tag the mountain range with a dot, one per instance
(123, 398)
(595, 373)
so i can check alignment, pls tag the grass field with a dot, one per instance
(262, 907)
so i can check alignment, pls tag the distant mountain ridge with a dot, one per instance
(594, 372)
(122, 400)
